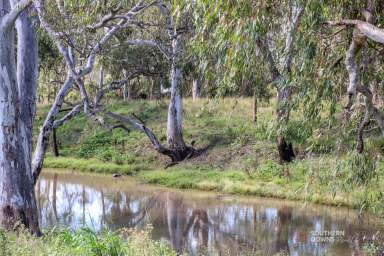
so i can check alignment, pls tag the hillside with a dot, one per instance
(241, 157)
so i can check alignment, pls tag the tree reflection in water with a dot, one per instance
(193, 224)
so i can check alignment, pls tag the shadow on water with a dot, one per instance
(200, 223)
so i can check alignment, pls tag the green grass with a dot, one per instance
(268, 181)
(242, 158)
(83, 242)
(90, 165)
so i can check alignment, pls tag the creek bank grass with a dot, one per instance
(242, 158)
(90, 165)
(309, 181)
(83, 242)
(264, 185)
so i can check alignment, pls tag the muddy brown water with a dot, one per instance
(201, 223)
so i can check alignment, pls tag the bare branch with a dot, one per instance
(75, 110)
(372, 32)
(137, 124)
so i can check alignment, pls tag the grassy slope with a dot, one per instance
(242, 159)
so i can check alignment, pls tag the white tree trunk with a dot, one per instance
(175, 111)
(17, 196)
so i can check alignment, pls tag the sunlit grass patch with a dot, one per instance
(90, 165)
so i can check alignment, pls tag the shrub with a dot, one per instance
(97, 143)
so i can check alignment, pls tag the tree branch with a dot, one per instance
(139, 125)
(74, 111)
(372, 32)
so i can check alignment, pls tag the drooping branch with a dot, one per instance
(266, 52)
(139, 125)
(358, 41)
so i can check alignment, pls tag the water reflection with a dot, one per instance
(197, 224)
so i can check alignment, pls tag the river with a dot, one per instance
(200, 222)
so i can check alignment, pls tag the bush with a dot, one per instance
(270, 169)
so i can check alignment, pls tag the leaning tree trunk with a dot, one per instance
(47, 127)
(17, 200)
(174, 125)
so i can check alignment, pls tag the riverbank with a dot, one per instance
(242, 157)
(82, 242)
(301, 185)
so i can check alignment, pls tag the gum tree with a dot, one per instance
(251, 36)
(79, 49)
(365, 33)
(18, 84)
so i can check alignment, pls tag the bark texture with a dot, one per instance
(175, 110)
(17, 107)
